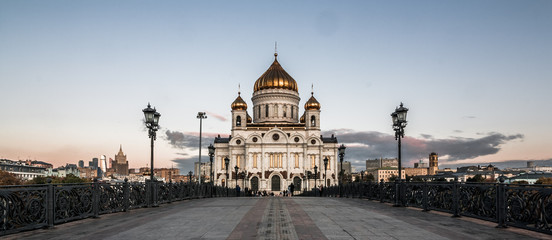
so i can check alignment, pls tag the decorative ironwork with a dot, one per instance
(22, 209)
(529, 207)
(72, 201)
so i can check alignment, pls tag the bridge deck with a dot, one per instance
(278, 218)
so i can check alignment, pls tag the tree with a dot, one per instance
(544, 180)
(369, 177)
(521, 182)
(7, 178)
(476, 178)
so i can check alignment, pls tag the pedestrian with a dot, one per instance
(292, 188)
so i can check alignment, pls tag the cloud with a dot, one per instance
(186, 164)
(217, 116)
(370, 145)
(189, 140)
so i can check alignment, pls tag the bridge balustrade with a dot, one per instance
(524, 206)
(29, 207)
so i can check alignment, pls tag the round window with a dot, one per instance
(275, 136)
(313, 141)
(238, 142)
(296, 139)
(255, 139)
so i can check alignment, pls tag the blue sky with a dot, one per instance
(476, 75)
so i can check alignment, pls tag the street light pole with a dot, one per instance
(236, 168)
(399, 123)
(315, 178)
(341, 156)
(211, 154)
(325, 169)
(152, 123)
(226, 162)
(201, 116)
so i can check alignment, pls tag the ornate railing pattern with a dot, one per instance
(524, 206)
(36, 206)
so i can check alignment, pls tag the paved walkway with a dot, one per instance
(278, 218)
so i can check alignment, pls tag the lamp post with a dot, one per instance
(341, 155)
(190, 176)
(152, 123)
(236, 168)
(201, 116)
(362, 176)
(325, 169)
(399, 123)
(211, 155)
(315, 178)
(226, 162)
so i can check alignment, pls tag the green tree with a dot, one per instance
(544, 181)
(70, 178)
(520, 182)
(476, 178)
(7, 178)
(369, 177)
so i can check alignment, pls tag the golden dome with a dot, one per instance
(275, 77)
(239, 104)
(312, 103)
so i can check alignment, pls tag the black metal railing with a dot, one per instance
(524, 206)
(29, 207)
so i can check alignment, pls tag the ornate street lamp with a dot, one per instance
(325, 169)
(201, 116)
(399, 123)
(226, 162)
(152, 123)
(211, 177)
(211, 155)
(315, 177)
(236, 168)
(341, 156)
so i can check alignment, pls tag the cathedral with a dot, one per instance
(278, 146)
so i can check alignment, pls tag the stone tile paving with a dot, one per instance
(278, 218)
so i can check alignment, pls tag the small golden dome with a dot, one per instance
(239, 104)
(249, 119)
(275, 77)
(302, 119)
(312, 103)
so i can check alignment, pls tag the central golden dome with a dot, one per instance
(275, 77)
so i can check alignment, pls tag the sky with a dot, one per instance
(476, 75)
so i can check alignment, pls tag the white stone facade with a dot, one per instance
(276, 147)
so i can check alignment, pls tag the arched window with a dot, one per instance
(254, 160)
(266, 108)
(238, 121)
(285, 111)
(313, 121)
(292, 111)
(297, 160)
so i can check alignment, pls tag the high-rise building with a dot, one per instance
(372, 164)
(120, 165)
(94, 163)
(276, 146)
(81, 163)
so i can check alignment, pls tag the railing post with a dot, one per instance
(50, 210)
(382, 191)
(155, 191)
(126, 195)
(96, 198)
(501, 204)
(455, 199)
(425, 198)
(397, 193)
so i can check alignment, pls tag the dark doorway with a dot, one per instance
(275, 183)
(254, 184)
(297, 183)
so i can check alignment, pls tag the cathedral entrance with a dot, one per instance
(255, 184)
(297, 184)
(275, 183)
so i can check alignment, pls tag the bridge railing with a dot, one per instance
(524, 206)
(29, 207)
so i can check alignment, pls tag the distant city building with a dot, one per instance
(94, 163)
(81, 163)
(372, 164)
(205, 170)
(103, 164)
(21, 169)
(421, 164)
(167, 174)
(433, 163)
(416, 171)
(346, 167)
(120, 165)
(87, 172)
(65, 170)
(385, 173)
